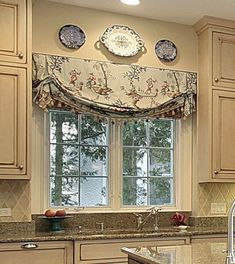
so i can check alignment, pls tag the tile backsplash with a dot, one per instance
(15, 194)
(214, 193)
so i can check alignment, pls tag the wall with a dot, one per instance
(15, 195)
(48, 18)
(94, 23)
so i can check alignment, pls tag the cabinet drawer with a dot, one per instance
(107, 251)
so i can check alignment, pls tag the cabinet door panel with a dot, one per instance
(223, 134)
(46, 253)
(13, 121)
(13, 31)
(224, 60)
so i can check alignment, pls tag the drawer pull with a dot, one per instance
(21, 55)
(21, 166)
(29, 246)
(216, 172)
(216, 80)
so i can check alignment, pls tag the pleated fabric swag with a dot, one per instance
(112, 90)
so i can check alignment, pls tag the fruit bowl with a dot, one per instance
(56, 222)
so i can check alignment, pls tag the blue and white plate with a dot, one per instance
(166, 50)
(72, 36)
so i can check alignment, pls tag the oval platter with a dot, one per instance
(122, 41)
(72, 36)
(166, 50)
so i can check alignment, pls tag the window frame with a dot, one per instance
(40, 168)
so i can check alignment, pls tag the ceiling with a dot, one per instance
(179, 11)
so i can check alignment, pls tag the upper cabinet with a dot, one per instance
(215, 154)
(13, 31)
(224, 59)
(15, 89)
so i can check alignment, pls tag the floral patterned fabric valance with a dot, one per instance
(112, 90)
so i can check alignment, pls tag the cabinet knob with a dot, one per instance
(216, 172)
(21, 55)
(216, 80)
(21, 166)
(29, 246)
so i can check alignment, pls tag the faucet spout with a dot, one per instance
(230, 256)
(141, 221)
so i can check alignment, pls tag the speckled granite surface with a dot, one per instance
(203, 253)
(17, 228)
(108, 234)
(116, 226)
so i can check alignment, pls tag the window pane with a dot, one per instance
(94, 191)
(160, 162)
(64, 159)
(63, 127)
(161, 191)
(134, 134)
(160, 133)
(153, 159)
(78, 148)
(64, 191)
(134, 191)
(93, 131)
(93, 161)
(134, 162)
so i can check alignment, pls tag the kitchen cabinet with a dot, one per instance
(37, 253)
(13, 31)
(109, 251)
(15, 88)
(224, 60)
(215, 152)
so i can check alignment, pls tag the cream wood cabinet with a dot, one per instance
(36, 253)
(13, 30)
(216, 101)
(109, 251)
(15, 88)
(13, 121)
(224, 60)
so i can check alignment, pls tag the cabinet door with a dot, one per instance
(223, 60)
(44, 253)
(13, 122)
(13, 31)
(223, 151)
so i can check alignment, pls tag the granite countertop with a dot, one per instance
(108, 234)
(195, 253)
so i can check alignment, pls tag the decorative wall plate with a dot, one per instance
(72, 36)
(122, 41)
(166, 50)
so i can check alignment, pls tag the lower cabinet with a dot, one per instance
(37, 253)
(109, 251)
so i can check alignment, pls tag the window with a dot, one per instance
(81, 170)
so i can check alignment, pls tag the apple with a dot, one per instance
(60, 212)
(50, 213)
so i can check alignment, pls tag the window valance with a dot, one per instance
(112, 90)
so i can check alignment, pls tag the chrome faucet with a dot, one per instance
(230, 256)
(141, 220)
